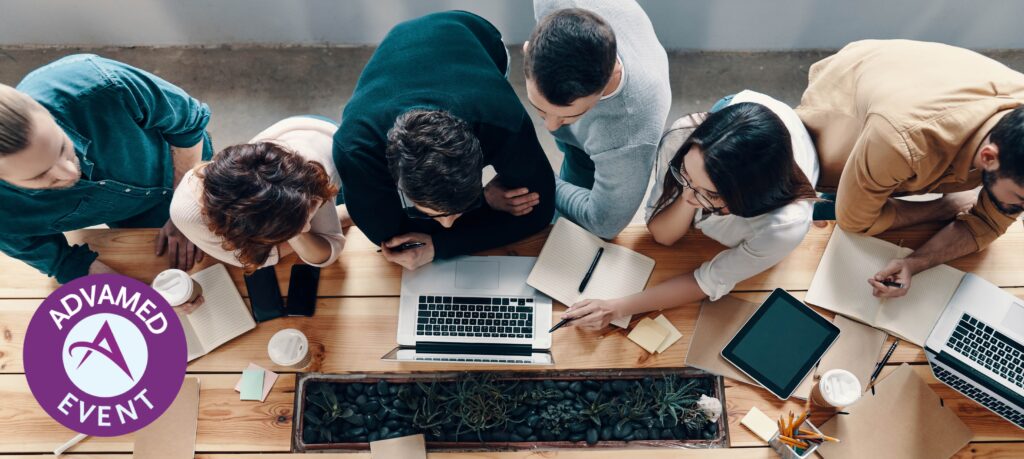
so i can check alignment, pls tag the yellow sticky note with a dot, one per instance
(673, 333)
(648, 334)
(760, 424)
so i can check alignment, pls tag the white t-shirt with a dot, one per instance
(756, 243)
(309, 137)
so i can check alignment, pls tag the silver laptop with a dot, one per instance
(976, 347)
(473, 310)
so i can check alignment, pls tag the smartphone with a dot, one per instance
(302, 290)
(265, 294)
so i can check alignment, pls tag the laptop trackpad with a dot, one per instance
(1014, 319)
(477, 274)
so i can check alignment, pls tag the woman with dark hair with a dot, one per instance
(257, 202)
(744, 175)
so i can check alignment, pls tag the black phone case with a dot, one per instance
(265, 294)
(302, 290)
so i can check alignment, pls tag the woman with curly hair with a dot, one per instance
(257, 202)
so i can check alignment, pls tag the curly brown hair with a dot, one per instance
(258, 195)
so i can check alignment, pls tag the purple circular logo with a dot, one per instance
(105, 355)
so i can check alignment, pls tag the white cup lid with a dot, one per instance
(839, 387)
(288, 347)
(174, 285)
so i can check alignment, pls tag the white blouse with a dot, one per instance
(309, 137)
(756, 243)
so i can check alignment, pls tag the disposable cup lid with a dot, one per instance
(174, 285)
(288, 347)
(839, 387)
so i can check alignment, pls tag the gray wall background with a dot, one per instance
(681, 24)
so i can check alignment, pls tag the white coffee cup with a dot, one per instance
(837, 388)
(177, 287)
(289, 348)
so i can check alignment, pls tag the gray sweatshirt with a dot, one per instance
(622, 131)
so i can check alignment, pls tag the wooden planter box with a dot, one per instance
(721, 440)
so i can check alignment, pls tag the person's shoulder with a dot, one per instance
(185, 208)
(74, 76)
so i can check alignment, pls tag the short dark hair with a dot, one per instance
(258, 195)
(571, 54)
(436, 159)
(1008, 135)
(16, 110)
(748, 154)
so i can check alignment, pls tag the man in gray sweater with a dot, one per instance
(597, 74)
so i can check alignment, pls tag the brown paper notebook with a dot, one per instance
(173, 434)
(904, 419)
(222, 317)
(411, 447)
(856, 350)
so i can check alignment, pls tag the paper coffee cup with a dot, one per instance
(837, 388)
(289, 348)
(177, 287)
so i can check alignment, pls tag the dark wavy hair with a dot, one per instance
(748, 154)
(258, 195)
(436, 159)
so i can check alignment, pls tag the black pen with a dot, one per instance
(590, 272)
(889, 283)
(885, 360)
(405, 246)
(559, 325)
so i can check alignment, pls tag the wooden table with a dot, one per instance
(355, 325)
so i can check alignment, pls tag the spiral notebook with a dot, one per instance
(567, 255)
(222, 317)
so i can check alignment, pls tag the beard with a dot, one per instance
(988, 179)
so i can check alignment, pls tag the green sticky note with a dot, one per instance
(251, 385)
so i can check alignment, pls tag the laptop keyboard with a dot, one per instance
(481, 317)
(989, 348)
(971, 391)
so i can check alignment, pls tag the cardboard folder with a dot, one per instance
(904, 419)
(173, 434)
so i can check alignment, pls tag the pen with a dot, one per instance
(885, 360)
(559, 325)
(405, 246)
(590, 272)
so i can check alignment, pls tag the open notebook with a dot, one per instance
(222, 317)
(840, 285)
(566, 257)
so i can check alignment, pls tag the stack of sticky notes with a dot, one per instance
(655, 335)
(256, 383)
(760, 424)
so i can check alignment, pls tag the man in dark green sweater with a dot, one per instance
(431, 109)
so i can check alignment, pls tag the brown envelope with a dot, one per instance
(411, 447)
(856, 350)
(173, 434)
(718, 323)
(903, 419)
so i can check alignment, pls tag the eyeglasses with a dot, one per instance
(412, 212)
(679, 173)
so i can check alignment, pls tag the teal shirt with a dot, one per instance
(123, 122)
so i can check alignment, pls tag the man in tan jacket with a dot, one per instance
(895, 118)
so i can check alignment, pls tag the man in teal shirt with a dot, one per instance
(87, 141)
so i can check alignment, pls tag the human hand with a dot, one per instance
(410, 258)
(516, 201)
(899, 271)
(593, 315)
(182, 252)
(187, 308)
(98, 267)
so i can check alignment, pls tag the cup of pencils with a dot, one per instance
(797, 438)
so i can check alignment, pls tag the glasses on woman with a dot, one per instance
(679, 173)
(412, 212)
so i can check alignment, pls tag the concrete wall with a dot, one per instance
(681, 24)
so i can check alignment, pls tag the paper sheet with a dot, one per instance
(411, 447)
(173, 434)
(717, 324)
(673, 333)
(269, 378)
(857, 350)
(760, 424)
(223, 316)
(648, 334)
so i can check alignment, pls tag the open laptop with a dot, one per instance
(976, 347)
(473, 310)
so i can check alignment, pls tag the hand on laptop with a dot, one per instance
(410, 258)
(897, 275)
(516, 201)
(592, 315)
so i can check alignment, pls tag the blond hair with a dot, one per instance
(15, 119)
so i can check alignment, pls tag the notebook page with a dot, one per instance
(195, 347)
(621, 272)
(841, 282)
(913, 315)
(564, 260)
(223, 316)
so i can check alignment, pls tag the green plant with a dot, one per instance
(331, 410)
(555, 417)
(594, 409)
(674, 399)
(479, 403)
(432, 409)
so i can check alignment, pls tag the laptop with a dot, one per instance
(976, 347)
(473, 310)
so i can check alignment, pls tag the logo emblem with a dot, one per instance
(105, 355)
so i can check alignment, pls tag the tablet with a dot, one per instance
(780, 343)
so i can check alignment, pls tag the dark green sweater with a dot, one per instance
(454, 61)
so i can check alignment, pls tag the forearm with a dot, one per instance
(312, 248)
(184, 159)
(672, 223)
(677, 291)
(951, 242)
(910, 213)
